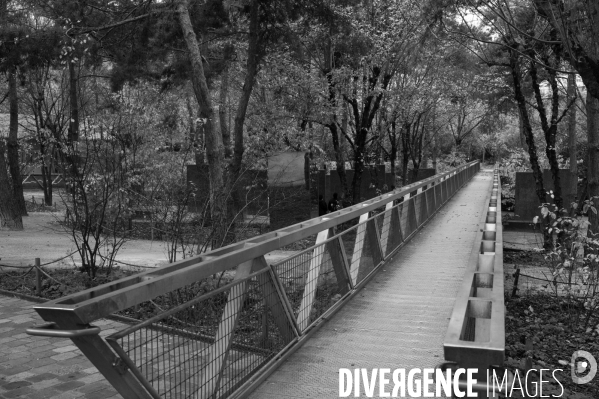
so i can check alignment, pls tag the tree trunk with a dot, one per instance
(47, 154)
(13, 143)
(358, 168)
(521, 131)
(339, 160)
(47, 184)
(214, 142)
(332, 125)
(74, 102)
(393, 153)
(549, 127)
(592, 107)
(10, 216)
(222, 111)
(572, 144)
(253, 60)
(435, 152)
(405, 152)
(526, 127)
(364, 122)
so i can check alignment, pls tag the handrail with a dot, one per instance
(476, 334)
(50, 330)
(263, 314)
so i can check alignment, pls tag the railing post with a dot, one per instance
(386, 222)
(222, 341)
(396, 233)
(340, 265)
(431, 206)
(424, 212)
(273, 295)
(358, 247)
(411, 217)
(38, 277)
(418, 209)
(372, 232)
(303, 318)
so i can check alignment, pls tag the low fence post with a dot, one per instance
(38, 277)
(516, 278)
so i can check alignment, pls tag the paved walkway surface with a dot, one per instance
(400, 318)
(39, 367)
(398, 321)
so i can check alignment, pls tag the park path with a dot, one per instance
(43, 237)
(400, 318)
(40, 367)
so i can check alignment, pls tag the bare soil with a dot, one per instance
(543, 330)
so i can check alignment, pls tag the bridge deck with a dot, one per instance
(400, 318)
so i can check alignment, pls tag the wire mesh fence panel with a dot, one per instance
(417, 202)
(208, 346)
(443, 190)
(438, 195)
(294, 276)
(170, 300)
(313, 280)
(404, 219)
(385, 224)
(430, 200)
(376, 212)
(348, 234)
(395, 237)
(366, 253)
(353, 240)
(423, 207)
(263, 330)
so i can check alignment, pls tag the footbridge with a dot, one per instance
(410, 279)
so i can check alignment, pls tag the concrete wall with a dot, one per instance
(198, 176)
(288, 206)
(527, 203)
(422, 174)
(252, 183)
(374, 182)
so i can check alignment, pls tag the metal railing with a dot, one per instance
(216, 325)
(476, 334)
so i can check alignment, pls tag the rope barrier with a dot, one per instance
(128, 264)
(50, 277)
(43, 264)
(545, 280)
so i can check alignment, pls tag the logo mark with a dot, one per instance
(580, 366)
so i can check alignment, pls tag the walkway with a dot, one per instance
(400, 318)
(38, 367)
(398, 321)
